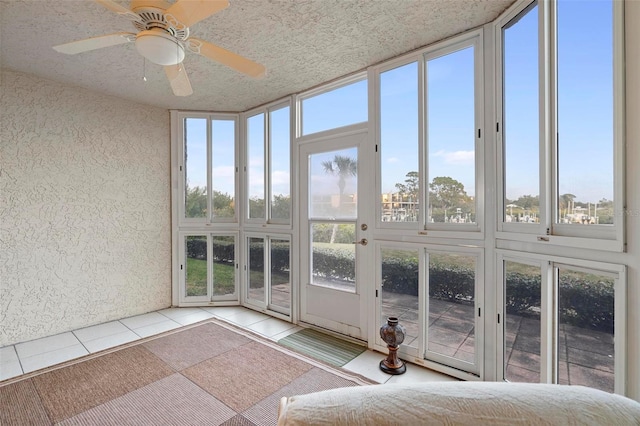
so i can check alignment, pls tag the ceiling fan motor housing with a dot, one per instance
(157, 39)
(159, 47)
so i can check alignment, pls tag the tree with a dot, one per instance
(223, 204)
(281, 207)
(446, 192)
(411, 185)
(343, 167)
(410, 188)
(565, 203)
(196, 201)
(529, 202)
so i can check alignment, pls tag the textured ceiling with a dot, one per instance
(302, 43)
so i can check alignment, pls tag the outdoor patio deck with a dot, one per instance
(585, 357)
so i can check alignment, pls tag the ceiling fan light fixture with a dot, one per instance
(159, 47)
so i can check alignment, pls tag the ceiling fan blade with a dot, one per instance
(95, 43)
(225, 57)
(178, 79)
(117, 8)
(188, 12)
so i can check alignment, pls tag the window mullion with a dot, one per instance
(267, 166)
(209, 171)
(548, 116)
(548, 326)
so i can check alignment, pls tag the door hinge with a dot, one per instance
(479, 133)
(376, 147)
(497, 127)
(376, 293)
(498, 318)
(479, 311)
(180, 168)
(181, 267)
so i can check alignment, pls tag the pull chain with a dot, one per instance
(144, 69)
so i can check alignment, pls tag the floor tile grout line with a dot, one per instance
(81, 342)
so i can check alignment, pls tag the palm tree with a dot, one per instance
(343, 167)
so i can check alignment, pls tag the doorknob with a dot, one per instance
(363, 241)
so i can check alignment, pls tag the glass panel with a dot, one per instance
(451, 137)
(223, 168)
(333, 183)
(280, 139)
(400, 291)
(399, 144)
(523, 290)
(255, 160)
(452, 305)
(195, 164)
(520, 125)
(256, 269)
(585, 112)
(336, 108)
(333, 258)
(280, 274)
(196, 269)
(224, 267)
(585, 329)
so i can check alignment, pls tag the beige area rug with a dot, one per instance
(210, 373)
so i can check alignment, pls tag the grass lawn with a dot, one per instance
(224, 275)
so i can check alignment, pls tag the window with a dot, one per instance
(209, 267)
(280, 275)
(268, 278)
(585, 113)
(256, 275)
(399, 294)
(520, 122)
(451, 136)
(255, 166)
(428, 135)
(280, 164)
(223, 168)
(522, 326)
(563, 321)
(339, 107)
(452, 308)
(399, 156)
(561, 150)
(209, 169)
(195, 169)
(268, 165)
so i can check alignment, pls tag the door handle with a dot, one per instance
(363, 241)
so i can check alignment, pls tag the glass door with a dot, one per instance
(333, 235)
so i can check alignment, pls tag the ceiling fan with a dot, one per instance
(163, 37)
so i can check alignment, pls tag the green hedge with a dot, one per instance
(584, 303)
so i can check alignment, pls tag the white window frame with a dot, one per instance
(549, 320)
(423, 228)
(268, 220)
(266, 305)
(209, 298)
(179, 119)
(609, 238)
(420, 355)
(325, 88)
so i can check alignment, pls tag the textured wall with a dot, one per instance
(85, 227)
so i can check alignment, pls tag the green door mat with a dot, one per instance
(322, 347)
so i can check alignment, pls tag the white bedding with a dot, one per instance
(460, 403)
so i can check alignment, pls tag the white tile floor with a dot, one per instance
(30, 356)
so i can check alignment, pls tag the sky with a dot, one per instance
(584, 110)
